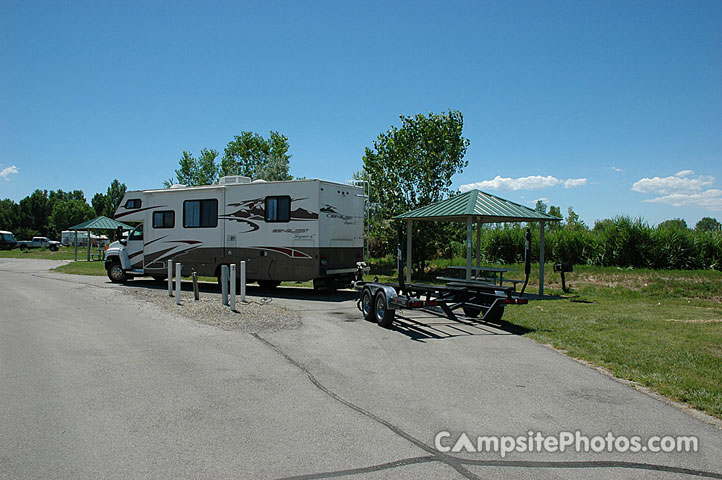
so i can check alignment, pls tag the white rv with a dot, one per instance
(285, 231)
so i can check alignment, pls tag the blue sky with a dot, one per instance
(611, 107)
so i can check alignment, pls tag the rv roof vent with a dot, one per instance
(231, 179)
(178, 185)
(259, 180)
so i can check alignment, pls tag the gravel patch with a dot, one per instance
(258, 314)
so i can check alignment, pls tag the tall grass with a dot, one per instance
(619, 242)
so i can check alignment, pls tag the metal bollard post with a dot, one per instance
(177, 283)
(170, 278)
(224, 284)
(233, 287)
(196, 294)
(243, 281)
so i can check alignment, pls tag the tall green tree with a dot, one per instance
(113, 197)
(252, 155)
(675, 223)
(708, 224)
(34, 212)
(98, 202)
(196, 171)
(66, 213)
(9, 215)
(411, 166)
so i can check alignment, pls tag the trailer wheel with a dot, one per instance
(472, 312)
(116, 274)
(367, 305)
(494, 316)
(384, 316)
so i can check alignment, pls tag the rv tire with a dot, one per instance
(268, 284)
(116, 274)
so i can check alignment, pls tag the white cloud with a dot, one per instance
(680, 182)
(617, 169)
(710, 199)
(7, 171)
(534, 182)
(574, 182)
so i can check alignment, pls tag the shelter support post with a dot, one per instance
(541, 259)
(409, 223)
(76, 245)
(88, 244)
(468, 248)
(478, 244)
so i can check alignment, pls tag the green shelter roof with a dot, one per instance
(486, 207)
(100, 223)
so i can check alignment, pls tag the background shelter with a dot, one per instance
(477, 207)
(98, 223)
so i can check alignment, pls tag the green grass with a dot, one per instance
(667, 338)
(65, 253)
(659, 328)
(82, 268)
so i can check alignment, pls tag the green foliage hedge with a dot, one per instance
(619, 242)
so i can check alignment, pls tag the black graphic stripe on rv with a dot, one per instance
(174, 254)
(119, 215)
(152, 241)
(151, 258)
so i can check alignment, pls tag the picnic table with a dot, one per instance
(479, 271)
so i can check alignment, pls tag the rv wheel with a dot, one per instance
(367, 305)
(384, 316)
(268, 284)
(116, 274)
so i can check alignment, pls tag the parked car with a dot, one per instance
(39, 242)
(7, 240)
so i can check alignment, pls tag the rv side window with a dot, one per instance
(278, 209)
(164, 219)
(200, 213)
(133, 203)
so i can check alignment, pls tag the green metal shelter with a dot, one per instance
(477, 207)
(98, 223)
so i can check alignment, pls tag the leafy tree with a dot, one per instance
(113, 197)
(252, 155)
(196, 171)
(541, 207)
(675, 223)
(68, 212)
(34, 212)
(555, 212)
(98, 202)
(411, 166)
(708, 224)
(9, 215)
(573, 221)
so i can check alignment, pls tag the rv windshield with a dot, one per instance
(137, 234)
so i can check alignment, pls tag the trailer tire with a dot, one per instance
(472, 312)
(495, 315)
(116, 274)
(384, 315)
(367, 305)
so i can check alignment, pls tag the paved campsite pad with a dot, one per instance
(99, 382)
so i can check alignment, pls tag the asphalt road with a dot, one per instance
(97, 383)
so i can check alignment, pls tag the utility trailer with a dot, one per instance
(379, 301)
